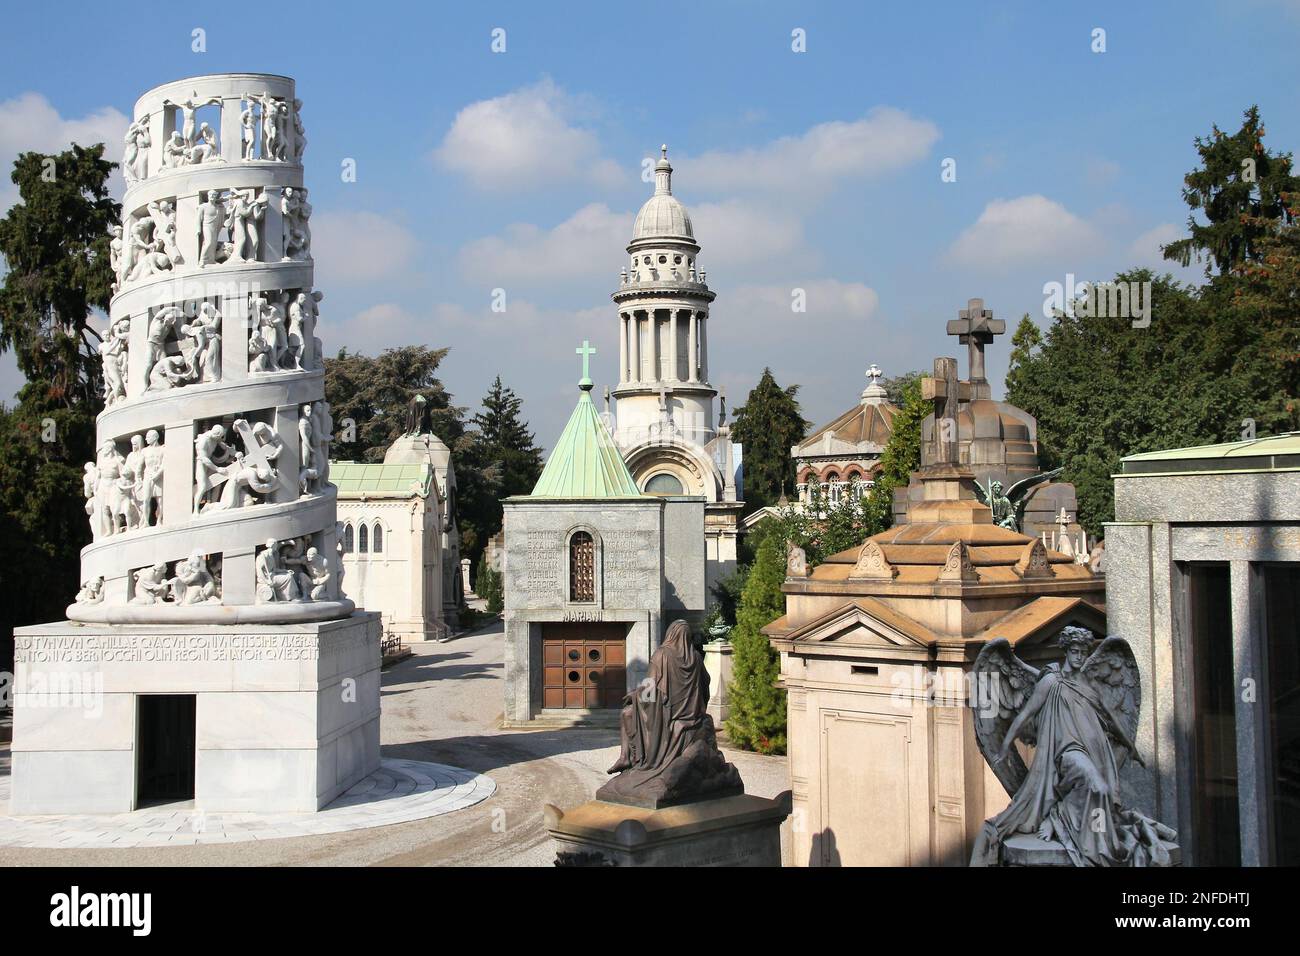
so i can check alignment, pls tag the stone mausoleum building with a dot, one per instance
(595, 571)
(1203, 578)
(664, 423)
(847, 450)
(996, 440)
(390, 530)
(875, 645)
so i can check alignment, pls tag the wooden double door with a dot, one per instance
(584, 665)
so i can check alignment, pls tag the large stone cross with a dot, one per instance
(975, 329)
(586, 351)
(946, 392)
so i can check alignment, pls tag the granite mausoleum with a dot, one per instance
(595, 570)
(1203, 579)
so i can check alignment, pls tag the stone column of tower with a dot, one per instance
(211, 613)
(213, 446)
(663, 305)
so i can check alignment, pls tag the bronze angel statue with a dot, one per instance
(1009, 508)
(1080, 717)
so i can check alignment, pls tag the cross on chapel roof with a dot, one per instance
(586, 351)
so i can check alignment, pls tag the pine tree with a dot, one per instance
(55, 243)
(1025, 342)
(1102, 389)
(768, 425)
(757, 719)
(504, 451)
(1240, 187)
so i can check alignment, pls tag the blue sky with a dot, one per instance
(817, 170)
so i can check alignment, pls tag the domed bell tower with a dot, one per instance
(663, 305)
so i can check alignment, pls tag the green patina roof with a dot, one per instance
(355, 478)
(585, 462)
(1272, 453)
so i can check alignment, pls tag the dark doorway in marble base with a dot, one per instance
(164, 748)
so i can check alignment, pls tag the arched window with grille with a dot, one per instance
(362, 539)
(377, 542)
(348, 542)
(582, 567)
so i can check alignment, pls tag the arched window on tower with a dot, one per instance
(377, 542)
(582, 567)
(362, 539)
(348, 542)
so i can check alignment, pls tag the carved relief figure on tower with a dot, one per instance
(230, 456)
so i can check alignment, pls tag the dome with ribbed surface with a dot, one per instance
(663, 216)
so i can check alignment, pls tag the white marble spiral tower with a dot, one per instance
(215, 437)
(211, 653)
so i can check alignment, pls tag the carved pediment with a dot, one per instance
(873, 565)
(1033, 561)
(864, 623)
(957, 566)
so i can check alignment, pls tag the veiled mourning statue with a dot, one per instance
(1079, 717)
(669, 750)
(417, 416)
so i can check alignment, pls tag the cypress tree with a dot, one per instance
(768, 425)
(757, 719)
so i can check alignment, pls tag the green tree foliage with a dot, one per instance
(901, 457)
(54, 243)
(1102, 389)
(1268, 299)
(489, 586)
(1240, 188)
(758, 716)
(373, 394)
(1026, 340)
(768, 425)
(504, 451)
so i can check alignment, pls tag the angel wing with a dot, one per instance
(984, 494)
(1113, 671)
(1024, 484)
(1002, 684)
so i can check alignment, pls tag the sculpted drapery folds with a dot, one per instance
(669, 752)
(1080, 716)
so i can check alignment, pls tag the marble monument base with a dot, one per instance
(741, 830)
(275, 717)
(1027, 849)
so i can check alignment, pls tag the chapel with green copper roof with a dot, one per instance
(585, 462)
(595, 571)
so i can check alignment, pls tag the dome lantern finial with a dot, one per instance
(663, 173)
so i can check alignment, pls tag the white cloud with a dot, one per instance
(588, 243)
(1145, 249)
(766, 313)
(524, 139)
(742, 232)
(360, 246)
(29, 122)
(1026, 229)
(884, 140)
